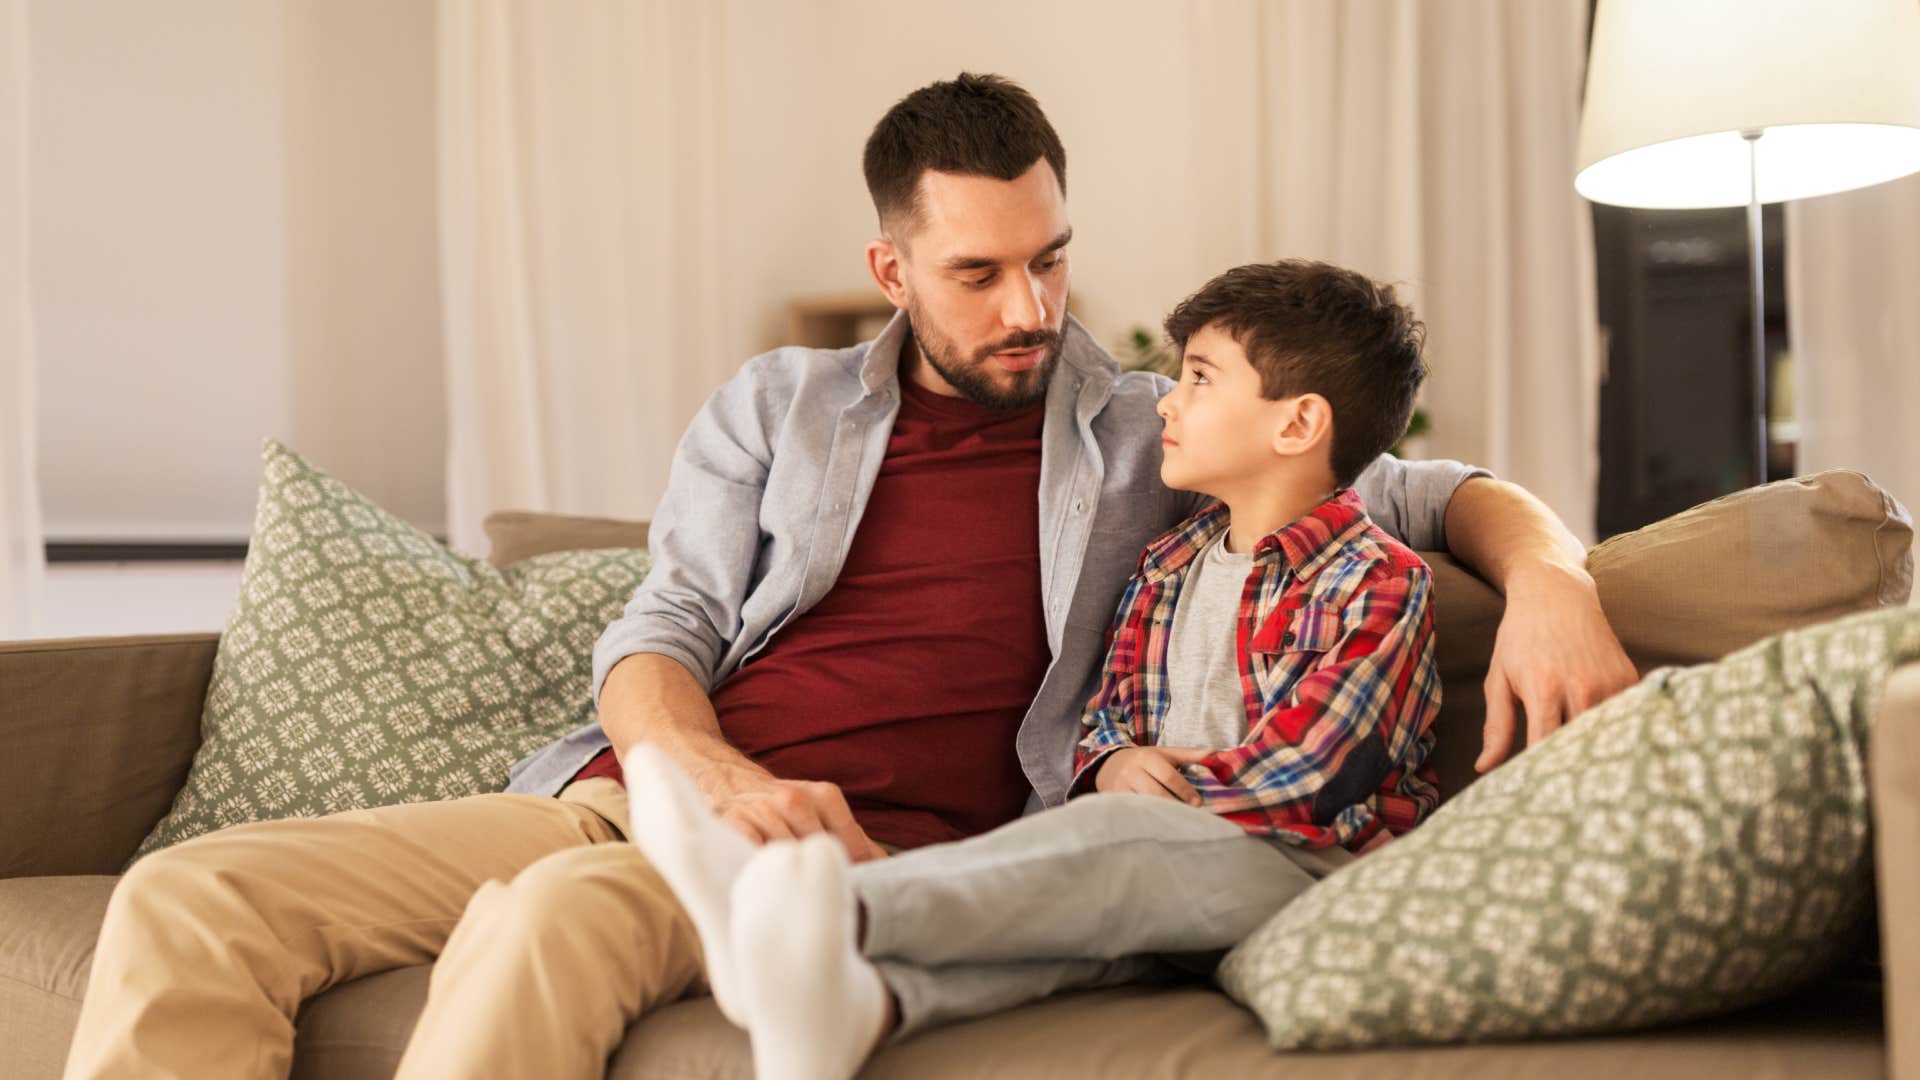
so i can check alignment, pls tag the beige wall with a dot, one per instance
(363, 291)
(806, 82)
(233, 237)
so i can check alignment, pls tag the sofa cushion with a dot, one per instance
(513, 535)
(1695, 844)
(1721, 576)
(47, 930)
(358, 1030)
(365, 664)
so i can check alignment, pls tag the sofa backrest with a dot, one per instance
(1685, 590)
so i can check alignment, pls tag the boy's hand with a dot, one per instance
(1150, 770)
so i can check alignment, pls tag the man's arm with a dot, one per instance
(652, 698)
(1554, 655)
(656, 664)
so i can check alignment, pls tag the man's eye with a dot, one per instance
(980, 283)
(1050, 265)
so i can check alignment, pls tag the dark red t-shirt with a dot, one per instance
(906, 683)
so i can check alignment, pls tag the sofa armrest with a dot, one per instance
(1895, 780)
(97, 735)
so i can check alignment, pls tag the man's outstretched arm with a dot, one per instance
(1554, 655)
(655, 666)
(652, 698)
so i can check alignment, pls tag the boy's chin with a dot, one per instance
(1179, 481)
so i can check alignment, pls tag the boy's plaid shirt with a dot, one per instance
(1336, 661)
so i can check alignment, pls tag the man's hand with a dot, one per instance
(1554, 655)
(777, 809)
(1150, 770)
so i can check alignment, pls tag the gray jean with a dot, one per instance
(1106, 889)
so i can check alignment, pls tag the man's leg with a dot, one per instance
(209, 947)
(543, 975)
(1103, 877)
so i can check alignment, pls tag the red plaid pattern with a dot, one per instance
(1336, 661)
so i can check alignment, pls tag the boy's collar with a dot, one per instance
(1306, 545)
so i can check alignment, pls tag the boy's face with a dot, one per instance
(1220, 433)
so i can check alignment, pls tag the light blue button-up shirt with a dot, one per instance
(769, 482)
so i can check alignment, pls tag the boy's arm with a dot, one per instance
(1109, 717)
(1359, 717)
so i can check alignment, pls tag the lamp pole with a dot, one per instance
(1756, 262)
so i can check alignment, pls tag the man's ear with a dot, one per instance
(884, 262)
(1304, 424)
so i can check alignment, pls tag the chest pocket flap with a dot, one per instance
(1313, 628)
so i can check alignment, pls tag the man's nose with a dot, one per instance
(1025, 307)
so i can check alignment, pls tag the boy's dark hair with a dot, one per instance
(976, 125)
(1311, 328)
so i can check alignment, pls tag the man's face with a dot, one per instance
(984, 277)
(1219, 430)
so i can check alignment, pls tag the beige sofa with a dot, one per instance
(96, 736)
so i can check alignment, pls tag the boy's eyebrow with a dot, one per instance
(1200, 361)
(981, 262)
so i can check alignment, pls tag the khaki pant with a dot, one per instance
(551, 935)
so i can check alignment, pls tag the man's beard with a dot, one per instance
(973, 380)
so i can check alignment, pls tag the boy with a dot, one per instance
(1264, 715)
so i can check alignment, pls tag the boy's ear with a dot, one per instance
(1305, 423)
(889, 272)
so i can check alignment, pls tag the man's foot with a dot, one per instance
(697, 854)
(815, 1007)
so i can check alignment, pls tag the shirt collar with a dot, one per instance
(1306, 545)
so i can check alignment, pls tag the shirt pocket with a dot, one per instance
(1285, 649)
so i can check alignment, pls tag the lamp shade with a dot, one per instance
(1671, 85)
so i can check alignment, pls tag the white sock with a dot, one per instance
(814, 1005)
(697, 854)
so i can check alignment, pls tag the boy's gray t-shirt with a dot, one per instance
(1206, 707)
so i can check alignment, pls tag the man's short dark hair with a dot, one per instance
(1311, 328)
(976, 125)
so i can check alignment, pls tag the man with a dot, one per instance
(815, 621)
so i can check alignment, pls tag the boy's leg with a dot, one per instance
(1103, 877)
(543, 974)
(209, 947)
(931, 996)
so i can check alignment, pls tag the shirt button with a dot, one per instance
(1286, 638)
(1080, 507)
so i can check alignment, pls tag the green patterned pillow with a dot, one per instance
(1696, 844)
(365, 664)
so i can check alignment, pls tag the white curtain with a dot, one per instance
(578, 169)
(1425, 141)
(22, 556)
(1429, 143)
(1853, 270)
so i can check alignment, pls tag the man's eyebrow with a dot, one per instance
(981, 262)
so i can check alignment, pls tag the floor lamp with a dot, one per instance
(1703, 103)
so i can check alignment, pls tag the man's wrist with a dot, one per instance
(1548, 577)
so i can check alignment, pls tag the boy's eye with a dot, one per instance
(1199, 377)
